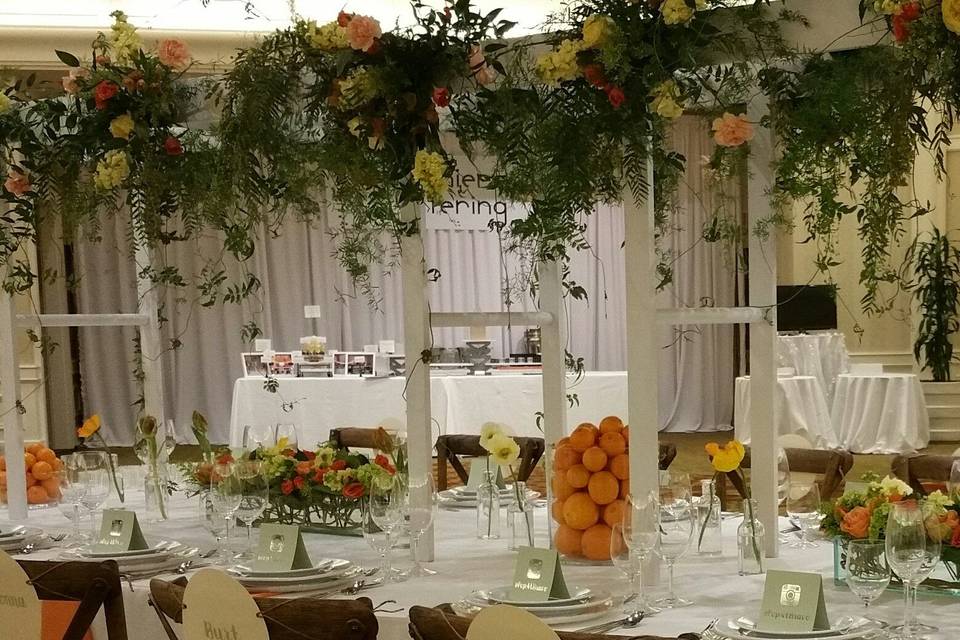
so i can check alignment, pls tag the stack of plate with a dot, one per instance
(465, 498)
(582, 605)
(843, 629)
(328, 574)
(12, 539)
(137, 562)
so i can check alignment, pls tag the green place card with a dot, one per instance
(281, 548)
(537, 576)
(793, 601)
(477, 468)
(120, 531)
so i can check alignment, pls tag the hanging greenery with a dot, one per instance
(937, 292)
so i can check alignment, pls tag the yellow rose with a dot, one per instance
(666, 100)
(112, 170)
(596, 30)
(561, 63)
(951, 15)
(726, 458)
(122, 126)
(676, 12)
(5, 103)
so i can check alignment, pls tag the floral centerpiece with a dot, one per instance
(89, 433)
(505, 452)
(726, 460)
(148, 449)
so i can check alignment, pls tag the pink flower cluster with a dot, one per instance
(732, 131)
(174, 53)
(363, 32)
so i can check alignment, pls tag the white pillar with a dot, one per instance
(553, 342)
(763, 334)
(416, 339)
(9, 410)
(643, 349)
(151, 340)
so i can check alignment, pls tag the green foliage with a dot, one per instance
(937, 268)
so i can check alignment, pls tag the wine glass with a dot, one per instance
(906, 543)
(931, 557)
(256, 436)
(378, 539)
(627, 562)
(386, 511)
(868, 573)
(94, 474)
(212, 521)
(71, 495)
(255, 495)
(226, 492)
(169, 440)
(675, 490)
(803, 504)
(953, 486)
(783, 485)
(418, 501)
(677, 524)
(288, 431)
(640, 529)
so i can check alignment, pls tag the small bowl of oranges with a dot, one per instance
(43, 476)
(591, 479)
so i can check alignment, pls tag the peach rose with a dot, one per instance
(69, 81)
(856, 522)
(479, 69)
(16, 183)
(174, 53)
(362, 32)
(731, 131)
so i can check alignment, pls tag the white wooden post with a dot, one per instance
(151, 341)
(553, 341)
(762, 286)
(416, 339)
(9, 410)
(643, 351)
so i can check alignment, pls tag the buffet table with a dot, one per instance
(465, 563)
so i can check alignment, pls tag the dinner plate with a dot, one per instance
(723, 631)
(88, 552)
(326, 565)
(549, 615)
(501, 595)
(299, 587)
(320, 578)
(469, 491)
(14, 531)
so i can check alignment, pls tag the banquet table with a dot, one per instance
(822, 355)
(801, 409)
(464, 563)
(880, 413)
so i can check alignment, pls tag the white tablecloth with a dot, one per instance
(460, 404)
(821, 355)
(801, 410)
(882, 413)
(465, 563)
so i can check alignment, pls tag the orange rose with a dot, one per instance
(362, 32)
(174, 53)
(303, 468)
(732, 131)
(856, 522)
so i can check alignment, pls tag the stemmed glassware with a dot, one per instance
(677, 525)
(640, 529)
(906, 543)
(627, 562)
(675, 490)
(71, 495)
(931, 557)
(93, 473)
(868, 573)
(255, 436)
(803, 503)
(783, 484)
(169, 440)
(418, 501)
(378, 539)
(386, 512)
(288, 431)
(226, 492)
(212, 522)
(255, 492)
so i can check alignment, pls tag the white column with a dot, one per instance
(416, 339)
(151, 340)
(643, 350)
(553, 342)
(763, 334)
(9, 410)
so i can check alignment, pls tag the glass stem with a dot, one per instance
(414, 542)
(913, 605)
(907, 613)
(670, 595)
(76, 522)
(93, 524)
(634, 591)
(641, 597)
(249, 535)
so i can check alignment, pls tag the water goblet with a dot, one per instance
(226, 492)
(931, 557)
(378, 539)
(288, 431)
(640, 529)
(256, 436)
(868, 573)
(905, 538)
(71, 496)
(677, 525)
(803, 504)
(254, 498)
(213, 523)
(94, 474)
(386, 512)
(783, 485)
(628, 563)
(418, 501)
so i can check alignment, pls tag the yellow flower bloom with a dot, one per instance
(112, 170)
(951, 15)
(488, 431)
(328, 37)
(122, 126)
(429, 171)
(891, 486)
(355, 126)
(726, 458)
(357, 89)
(89, 427)
(676, 12)
(666, 100)
(503, 449)
(561, 63)
(596, 30)
(124, 40)
(5, 103)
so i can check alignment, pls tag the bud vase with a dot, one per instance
(709, 537)
(488, 507)
(520, 518)
(155, 492)
(750, 541)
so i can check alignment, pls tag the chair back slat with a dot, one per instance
(450, 447)
(354, 437)
(917, 468)
(833, 464)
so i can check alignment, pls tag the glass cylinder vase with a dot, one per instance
(155, 492)
(750, 534)
(520, 518)
(709, 537)
(488, 507)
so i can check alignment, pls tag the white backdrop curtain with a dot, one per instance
(297, 269)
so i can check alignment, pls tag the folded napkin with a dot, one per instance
(56, 619)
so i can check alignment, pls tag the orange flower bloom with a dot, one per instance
(732, 130)
(90, 426)
(303, 468)
(856, 522)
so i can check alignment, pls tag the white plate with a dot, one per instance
(327, 565)
(722, 630)
(547, 614)
(14, 531)
(300, 585)
(88, 552)
(501, 595)
(330, 576)
(469, 491)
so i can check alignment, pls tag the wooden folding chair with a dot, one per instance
(450, 447)
(668, 451)
(287, 619)
(354, 437)
(92, 584)
(923, 472)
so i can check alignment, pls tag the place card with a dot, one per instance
(502, 621)
(20, 608)
(537, 576)
(793, 601)
(281, 548)
(477, 468)
(120, 531)
(217, 606)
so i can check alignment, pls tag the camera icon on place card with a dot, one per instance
(790, 595)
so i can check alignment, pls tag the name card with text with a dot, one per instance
(120, 531)
(20, 609)
(217, 607)
(537, 576)
(281, 548)
(793, 601)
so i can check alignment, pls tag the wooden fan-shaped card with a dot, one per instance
(20, 608)
(503, 621)
(217, 607)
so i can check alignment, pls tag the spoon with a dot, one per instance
(629, 622)
(184, 567)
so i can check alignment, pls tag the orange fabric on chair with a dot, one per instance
(56, 618)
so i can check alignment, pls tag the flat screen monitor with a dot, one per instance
(806, 307)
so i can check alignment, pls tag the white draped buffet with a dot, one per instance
(881, 413)
(801, 410)
(821, 354)
(465, 563)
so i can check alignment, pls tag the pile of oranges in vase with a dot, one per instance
(43, 477)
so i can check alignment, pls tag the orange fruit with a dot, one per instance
(45, 454)
(3, 479)
(565, 457)
(42, 470)
(620, 466)
(561, 488)
(36, 495)
(603, 487)
(578, 476)
(594, 459)
(624, 488)
(562, 441)
(613, 444)
(595, 542)
(567, 541)
(626, 434)
(3, 463)
(28, 460)
(613, 512)
(583, 437)
(57, 464)
(52, 487)
(580, 512)
(611, 424)
(30, 479)
(34, 448)
(557, 511)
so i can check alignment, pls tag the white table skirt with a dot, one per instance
(464, 563)
(801, 410)
(883, 413)
(821, 355)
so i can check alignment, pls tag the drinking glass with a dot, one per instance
(954, 484)
(931, 557)
(212, 522)
(169, 440)
(627, 562)
(71, 496)
(783, 486)
(256, 436)
(94, 475)
(906, 543)
(868, 573)
(677, 524)
(255, 493)
(675, 490)
(386, 511)
(803, 503)
(226, 492)
(640, 529)
(378, 539)
(288, 431)
(418, 501)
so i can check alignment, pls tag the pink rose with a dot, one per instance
(731, 131)
(69, 81)
(16, 183)
(174, 53)
(362, 32)
(479, 69)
